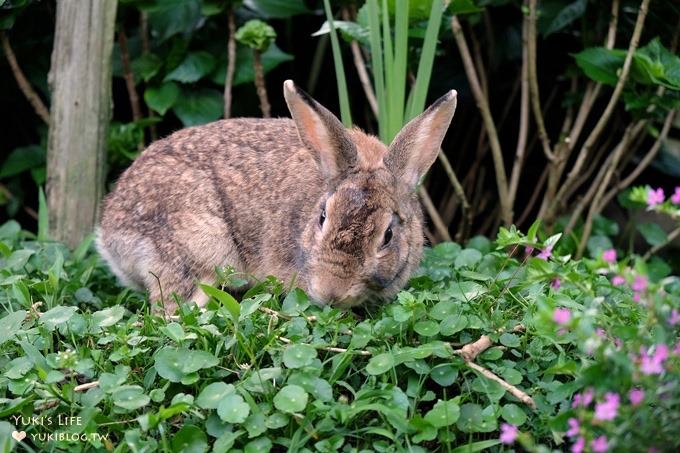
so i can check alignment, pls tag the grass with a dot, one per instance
(470, 345)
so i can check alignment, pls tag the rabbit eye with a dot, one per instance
(322, 217)
(388, 236)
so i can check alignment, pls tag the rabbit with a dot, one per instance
(306, 200)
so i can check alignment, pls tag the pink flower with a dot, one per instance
(579, 445)
(640, 283)
(583, 399)
(556, 283)
(561, 315)
(574, 427)
(636, 396)
(508, 433)
(600, 332)
(655, 197)
(676, 349)
(617, 280)
(599, 445)
(675, 198)
(653, 364)
(608, 408)
(636, 297)
(546, 253)
(609, 256)
(674, 318)
(528, 250)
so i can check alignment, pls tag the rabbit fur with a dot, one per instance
(303, 199)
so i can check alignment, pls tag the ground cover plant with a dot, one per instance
(498, 345)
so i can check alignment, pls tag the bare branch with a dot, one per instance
(483, 105)
(360, 65)
(611, 105)
(231, 62)
(24, 85)
(533, 82)
(439, 225)
(523, 119)
(514, 391)
(671, 237)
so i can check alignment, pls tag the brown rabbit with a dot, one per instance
(304, 199)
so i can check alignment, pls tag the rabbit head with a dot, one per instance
(365, 237)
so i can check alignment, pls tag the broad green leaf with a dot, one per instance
(380, 363)
(190, 439)
(57, 316)
(444, 375)
(279, 9)
(233, 409)
(212, 394)
(22, 159)
(514, 414)
(11, 324)
(199, 106)
(444, 413)
(467, 258)
(162, 98)
(600, 64)
(565, 16)
(426, 328)
(147, 66)
(653, 233)
(108, 317)
(130, 397)
(175, 363)
(299, 355)
(295, 302)
(194, 66)
(510, 340)
(291, 399)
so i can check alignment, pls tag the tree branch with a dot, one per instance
(24, 85)
(231, 62)
(533, 82)
(483, 105)
(439, 225)
(611, 105)
(671, 237)
(360, 66)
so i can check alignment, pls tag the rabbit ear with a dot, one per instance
(321, 131)
(415, 147)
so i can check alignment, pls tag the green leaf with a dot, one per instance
(212, 394)
(653, 233)
(233, 409)
(130, 397)
(473, 420)
(510, 340)
(278, 9)
(468, 258)
(175, 363)
(108, 317)
(169, 18)
(476, 446)
(174, 331)
(566, 16)
(380, 364)
(426, 328)
(319, 388)
(256, 34)
(453, 324)
(514, 414)
(199, 106)
(259, 445)
(299, 355)
(444, 413)
(444, 375)
(11, 324)
(147, 66)
(295, 302)
(195, 66)
(22, 159)
(162, 98)
(291, 399)
(190, 439)
(600, 64)
(226, 299)
(19, 258)
(56, 316)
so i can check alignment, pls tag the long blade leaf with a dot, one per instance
(345, 113)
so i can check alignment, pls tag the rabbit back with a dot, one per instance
(235, 192)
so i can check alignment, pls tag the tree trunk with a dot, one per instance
(80, 82)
